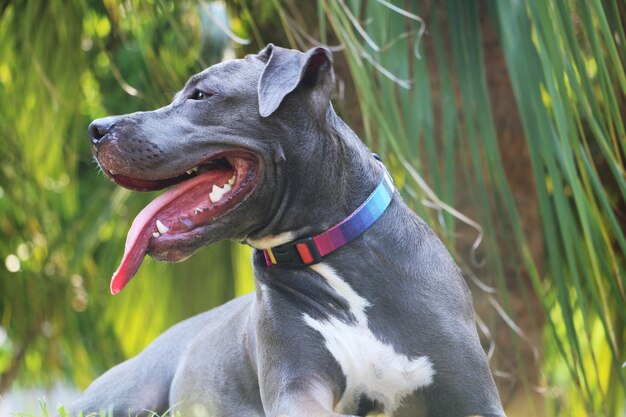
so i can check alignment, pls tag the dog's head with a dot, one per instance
(235, 146)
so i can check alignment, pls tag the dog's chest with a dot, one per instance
(371, 367)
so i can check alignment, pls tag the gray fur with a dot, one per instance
(255, 356)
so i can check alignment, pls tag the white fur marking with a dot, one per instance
(371, 367)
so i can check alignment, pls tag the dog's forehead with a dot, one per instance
(234, 72)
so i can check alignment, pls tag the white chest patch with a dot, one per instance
(372, 368)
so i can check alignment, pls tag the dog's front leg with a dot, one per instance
(308, 399)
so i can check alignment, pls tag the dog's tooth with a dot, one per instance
(192, 170)
(218, 192)
(156, 234)
(198, 210)
(227, 188)
(163, 229)
(232, 179)
(215, 197)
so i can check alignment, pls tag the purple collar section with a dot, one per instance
(310, 250)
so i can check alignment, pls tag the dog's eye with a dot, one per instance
(199, 95)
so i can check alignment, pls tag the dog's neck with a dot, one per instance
(346, 175)
(346, 278)
(312, 249)
(357, 168)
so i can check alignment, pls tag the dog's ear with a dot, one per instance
(287, 69)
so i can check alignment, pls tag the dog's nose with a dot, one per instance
(99, 128)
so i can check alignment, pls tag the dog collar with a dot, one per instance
(310, 250)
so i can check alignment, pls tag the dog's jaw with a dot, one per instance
(172, 226)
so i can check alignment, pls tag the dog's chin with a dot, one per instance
(180, 247)
(170, 251)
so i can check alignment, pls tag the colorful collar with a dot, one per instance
(311, 250)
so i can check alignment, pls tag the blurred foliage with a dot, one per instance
(510, 112)
(63, 225)
(426, 100)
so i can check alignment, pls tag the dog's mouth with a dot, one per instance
(178, 218)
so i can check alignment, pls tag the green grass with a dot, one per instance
(62, 412)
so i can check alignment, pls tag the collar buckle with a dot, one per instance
(298, 253)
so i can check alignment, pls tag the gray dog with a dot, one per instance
(358, 306)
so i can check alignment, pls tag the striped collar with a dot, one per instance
(310, 250)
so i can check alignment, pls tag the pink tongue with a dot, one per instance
(138, 238)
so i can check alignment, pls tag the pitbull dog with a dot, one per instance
(358, 307)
